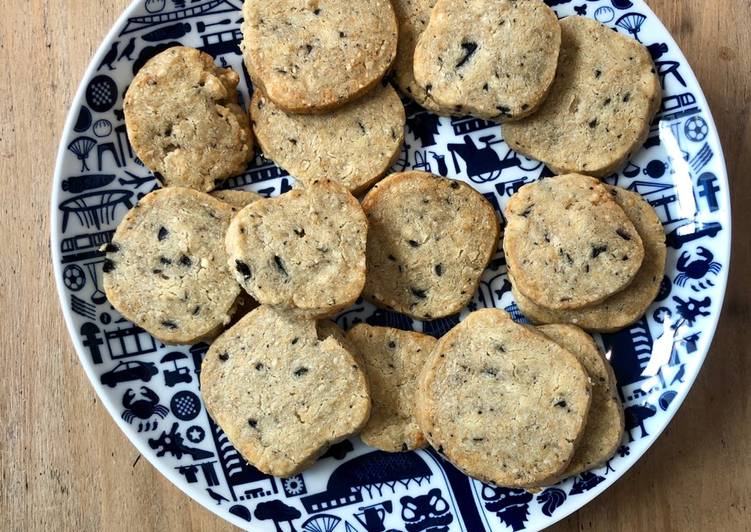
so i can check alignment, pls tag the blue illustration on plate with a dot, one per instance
(551, 499)
(152, 389)
(511, 506)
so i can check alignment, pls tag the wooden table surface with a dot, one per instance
(64, 464)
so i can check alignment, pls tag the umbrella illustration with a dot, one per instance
(631, 22)
(173, 357)
(81, 147)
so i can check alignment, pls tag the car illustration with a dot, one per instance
(129, 371)
(685, 234)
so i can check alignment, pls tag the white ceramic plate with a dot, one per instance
(151, 390)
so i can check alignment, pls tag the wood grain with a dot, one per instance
(64, 465)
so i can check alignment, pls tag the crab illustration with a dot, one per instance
(696, 269)
(144, 408)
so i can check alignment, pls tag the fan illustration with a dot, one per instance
(95, 208)
(631, 22)
(81, 147)
(321, 523)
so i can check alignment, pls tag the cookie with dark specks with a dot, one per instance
(166, 267)
(236, 198)
(413, 17)
(430, 239)
(303, 251)
(393, 359)
(568, 243)
(627, 306)
(184, 121)
(280, 392)
(604, 97)
(354, 145)
(605, 423)
(491, 59)
(315, 56)
(503, 402)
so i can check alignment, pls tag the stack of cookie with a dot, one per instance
(573, 94)
(582, 252)
(507, 403)
(320, 108)
(517, 406)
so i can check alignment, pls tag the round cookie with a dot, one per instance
(354, 145)
(184, 122)
(605, 422)
(280, 394)
(236, 198)
(166, 267)
(603, 99)
(628, 306)
(393, 359)
(412, 17)
(303, 250)
(311, 57)
(429, 241)
(491, 59)
(568, 244)
(502, 402)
